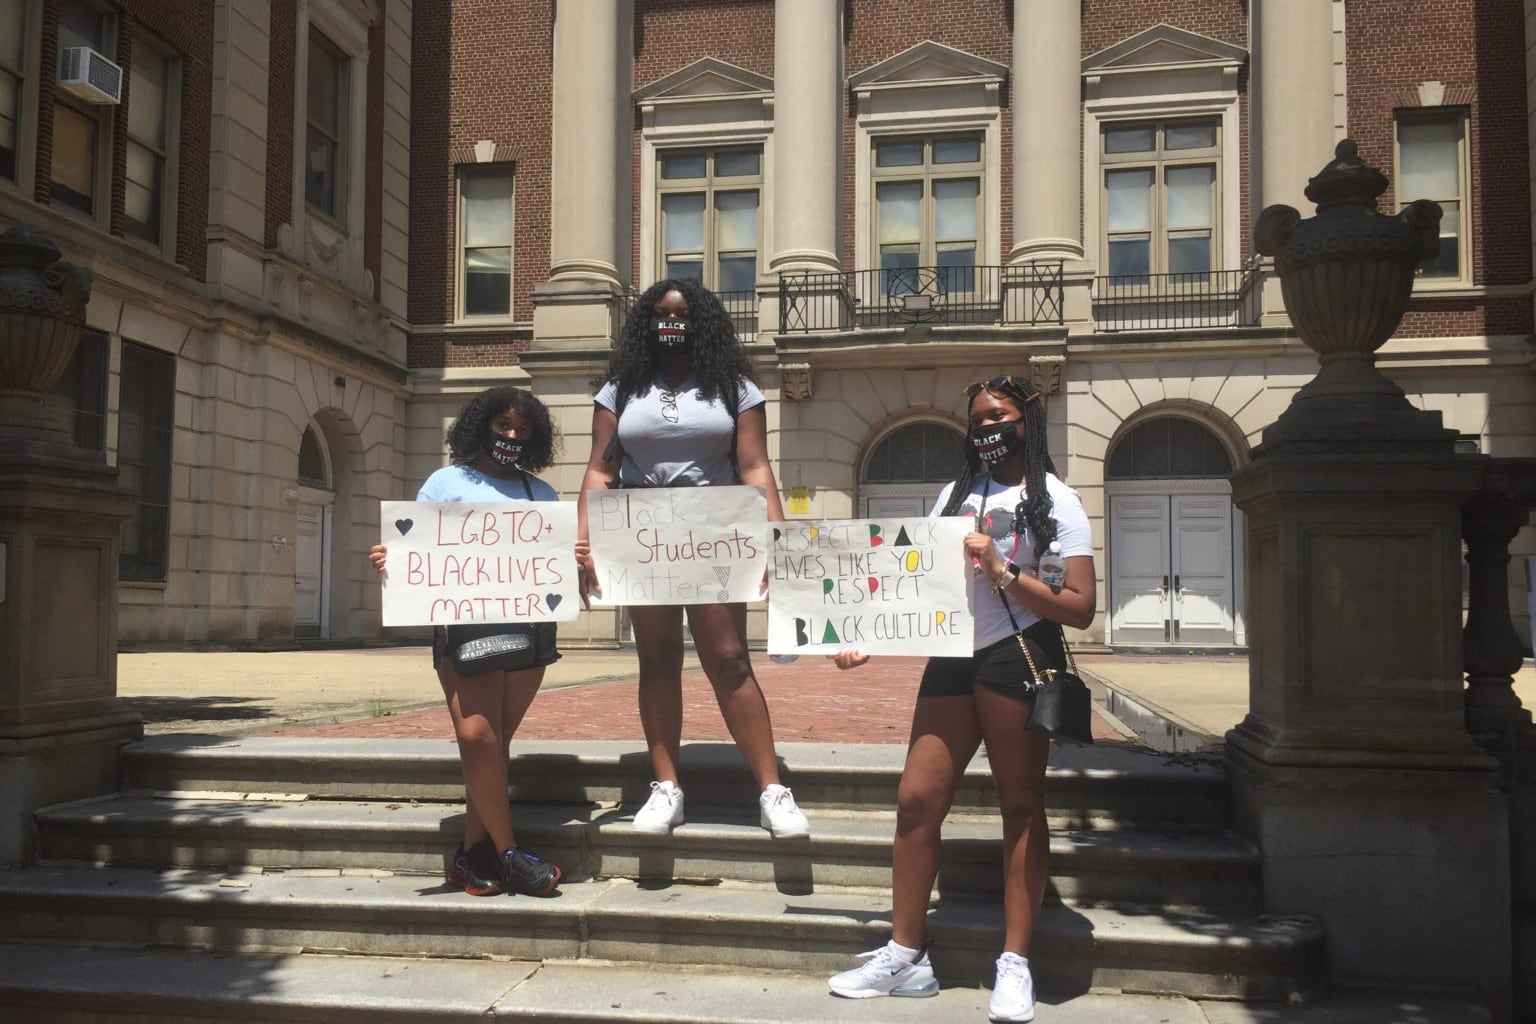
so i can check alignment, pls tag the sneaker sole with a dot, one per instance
(554, 883)
(1012, 1020)
(922, 992)
(646, 830)
(460, 881)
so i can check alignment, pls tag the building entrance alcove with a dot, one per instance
(1174, 544)
(312, 539)
(907, 468)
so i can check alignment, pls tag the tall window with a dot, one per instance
(1432, 164)
(325, 165)
(13, 36)
(83, 390)
(485, 240)
(80, 129)
(709, 202)
(1160, 198)
(928, 206)
(146, 420)
(149, 99)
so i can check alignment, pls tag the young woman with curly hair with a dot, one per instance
(679, 407)
(500, 439)
(1008, 485)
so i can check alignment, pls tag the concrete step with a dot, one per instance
(1086, 787)
(64, 985)
(1176, 869)
(725, 926)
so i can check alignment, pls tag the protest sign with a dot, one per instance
(678, 545)
(880, 586)
(451, 563)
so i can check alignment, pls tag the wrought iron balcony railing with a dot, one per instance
(1164, 302)
(903, 296)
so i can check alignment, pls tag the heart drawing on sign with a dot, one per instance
(552, 601)
(404, 526)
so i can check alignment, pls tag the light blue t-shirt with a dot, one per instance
(458, 482)
(676, 438)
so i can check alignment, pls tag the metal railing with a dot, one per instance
(1164, 302)
(1029, 293)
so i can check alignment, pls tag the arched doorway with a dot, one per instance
(1173, 551)
(312, 538)
(907, 468)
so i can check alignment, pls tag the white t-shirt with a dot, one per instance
(1072, 533)
(674, 438)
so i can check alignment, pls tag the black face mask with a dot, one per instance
(994, 442)
(670, 334)
(504, 451)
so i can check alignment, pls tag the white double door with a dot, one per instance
(311, 557)
(1173, 565)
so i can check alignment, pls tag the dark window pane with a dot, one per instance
(1168, 447)
(919, 453)
(487, 282)
(83, 390)
(146, 417)
(1130, 257)
(312, 461)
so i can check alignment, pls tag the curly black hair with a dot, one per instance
(720, 361)
(466, 437)
(1034, 509)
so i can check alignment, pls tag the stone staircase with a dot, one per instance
(291, 879)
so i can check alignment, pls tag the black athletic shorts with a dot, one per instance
(1000, 666)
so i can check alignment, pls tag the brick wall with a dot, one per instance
(280, 183)
(1476, 48)
(483, 73)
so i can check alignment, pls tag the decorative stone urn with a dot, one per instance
(1346, 275)
(42, 307)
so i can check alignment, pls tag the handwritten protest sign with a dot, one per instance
(678, 545)
(459, 562)
(881, 586)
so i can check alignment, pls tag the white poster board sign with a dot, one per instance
(880, 586)
(451, 563)
(678, 545)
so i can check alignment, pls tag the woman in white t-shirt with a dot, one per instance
(1010, 487)
(679, 408)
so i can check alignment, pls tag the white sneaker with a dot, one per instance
(662, 812)
(1013, 994)
(885, 973)
(779, 815)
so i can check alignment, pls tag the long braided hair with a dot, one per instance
(720, 361)
(1034, 508)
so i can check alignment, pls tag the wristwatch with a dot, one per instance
(1005, 578)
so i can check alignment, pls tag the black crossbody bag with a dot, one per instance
(1063, 707)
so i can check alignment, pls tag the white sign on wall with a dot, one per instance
(452, 563)
(879, 586)
(678, 545)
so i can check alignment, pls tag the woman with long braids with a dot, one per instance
(501, 438)
(679, 407)
(1009, 485)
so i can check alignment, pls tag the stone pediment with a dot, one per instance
(705, 79)
(928, 63)
(1163, 46)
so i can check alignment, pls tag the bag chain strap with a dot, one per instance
(1018, 634)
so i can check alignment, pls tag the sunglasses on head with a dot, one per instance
(998, 386)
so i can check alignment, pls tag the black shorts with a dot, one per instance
(510, 646)
(1000, 666)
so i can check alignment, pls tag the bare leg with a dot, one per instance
(476, 706)
(1018, 758)
(518, 690)
(659, 643)
(945, 735)
(720, 637)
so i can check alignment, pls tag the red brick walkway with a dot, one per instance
(810, 700)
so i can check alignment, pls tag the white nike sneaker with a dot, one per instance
(886, 973)
(778, 814)
(662, 812)
(1013, 994)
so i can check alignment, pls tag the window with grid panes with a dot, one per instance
(13, 53)
(710, 203)
(927, 196)
(81, 130)
(325, 163)
(149, 116)
(485, 240)
(145, 425)
(1159, 197)
(917, 453)
(1432, 164)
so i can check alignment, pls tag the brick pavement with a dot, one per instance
(810, 700)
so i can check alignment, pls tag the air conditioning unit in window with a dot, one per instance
(87, 75)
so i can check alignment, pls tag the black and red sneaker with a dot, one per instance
(475, 870)
(523, 872)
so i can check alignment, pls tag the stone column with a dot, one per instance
(591, 177)
(807, 134)
(61, 513)
(1047, 130)
(1292, 119)
(1353, 770)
